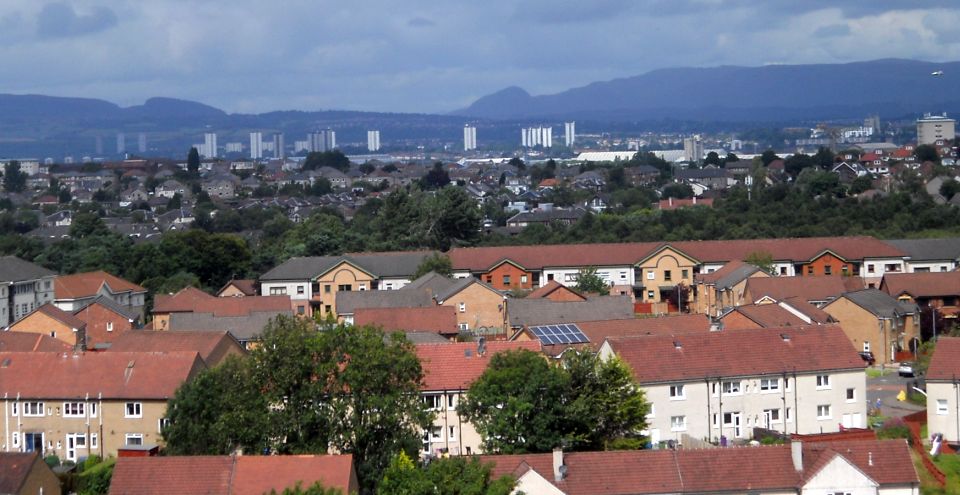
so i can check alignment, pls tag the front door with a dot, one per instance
(33, 442)
(737, 430)
(768, 420)
(75, 442)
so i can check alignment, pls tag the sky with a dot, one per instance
(432, 56)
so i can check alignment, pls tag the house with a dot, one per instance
(349, 302)
(213, 347)
(219, 188)
(449, 370)
(546, 216)
(929, 255)
(193, 309)
(712, 177)
(24, 287)
(876, 322)
(792, 312)
(238, 288)
(881, 467)
(314, 282)
(105, 320)
(231, 475)
(722, 385)
(480, 308)
(532, 312)
(71, 292)
(26, 473)
(940, 290)
(816, 290)
(30, 342)
(75, 405)
(436, 319)
(555, 291)
(49, 320)
(943, 406)
(169, 189)
(849, 171)
(715, 291)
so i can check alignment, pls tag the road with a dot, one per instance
(886, 389)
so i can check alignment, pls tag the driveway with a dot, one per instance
(886, 389)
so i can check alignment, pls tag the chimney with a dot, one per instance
(559, 470)
(870, 458)
(796, 453)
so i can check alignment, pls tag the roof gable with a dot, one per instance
(832, 467)
(671, 249)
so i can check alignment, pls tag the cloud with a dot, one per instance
(59, 20)
(421, 22)
(832, 31)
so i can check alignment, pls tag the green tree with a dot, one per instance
(88, 224)
(824, 158)
(589, 281)
(796, 163)
(14, 180)
(949, 188)
(517, 404)
(926, 153)
(437, 262)
(333, 159)
(768, 157)
(677, 190)
(175, 202)
(193, 160)
(367, 168)
(436, 178)
(731, 157)
(454, 476)
(713, 158)
(861, 184)
(518, 163)
(760, 259)
(454, 219)
(314, 489)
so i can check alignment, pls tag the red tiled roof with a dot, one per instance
(209, 344)
(869, 157)
(31, 342)
(597, 331)
(799, 249)
(191, 300)
(550, 288)
(246, 286)
(81, 285)
(737, 353)
(734, 469)
(814, 313)
(440, 319)
(537, 257)
(115, 375)
(57, 314)
(901, 154)
(930, 284)
(769, 315)
(808, 288)
(447, 367)
(226, 475)
(945, 363)
(674, 203)
(15, 467)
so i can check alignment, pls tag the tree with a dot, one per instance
(175, 202)
(86, 225)
(796, 163)
(518, 163)
(926, 153)
(454, 475)
(713, 158)
(861, 184)
(14, 180)
(949, 188)
(193, 160)
(760, 259)
(824, 158)
(437, 262)
(314, 489)
(731, 157)
(367, 168)
(436, 178)
(589, 281)
(768, 157)
(517, 404)
(333, 159)
(454, 219)
(677, 190)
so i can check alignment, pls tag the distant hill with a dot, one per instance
(729, 93)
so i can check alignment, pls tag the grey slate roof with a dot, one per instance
(736, 276)
(880, 303)
(112, 305)
(526, 312)
(433, 281)
(423, 337)
(548, 215)
(458, 286)
(243, 328)
(929, 249)
(379, 264)
(349, 302)
(13, 269)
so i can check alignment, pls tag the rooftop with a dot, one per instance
(83, 285)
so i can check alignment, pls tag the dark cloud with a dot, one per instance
(59, 20)
(421, 22)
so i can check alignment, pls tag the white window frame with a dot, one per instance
(161, 423)
(727, 388)
(15, 409)
(38, 409)
(463, 326)
(462, 307)
(678, 392)
(433, 402)
(137, 410)
(94, 444)
(74, 409)
(16, 439)
(942, 409)
(678, 423)
(653, 411)
(109, 326)
(847, 394)
(824, 408)
(823, 382)
(866, 346)
(130, 436)
(774, 411)
(451, 402)
(769, 385)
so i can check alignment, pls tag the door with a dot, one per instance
(737, 430)
(857, 420)
(768, 420)
(654, 436)
(75, 442)
(33, 442)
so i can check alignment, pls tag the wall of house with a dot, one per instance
(109, 425)
(827, 264)
(873, 269)
(938, 266)
(30, 295)
(231, 291)
(42, 324)
(392, 283)
(329, 284)
(863, 327)
(652, 273)
(508, 276)
(612, 275)
(942, 410)
(563, 295)
(839, 476)
(736, 319)
(482, 307)
(700, 403)
(457, 436)
(103, 325)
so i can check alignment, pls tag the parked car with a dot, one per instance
(906, 369)
(868, 357)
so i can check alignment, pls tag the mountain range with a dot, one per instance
(890, 87)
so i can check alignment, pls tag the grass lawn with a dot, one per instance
(877, 372)
(950, 465)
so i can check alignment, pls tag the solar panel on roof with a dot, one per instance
(566, 333)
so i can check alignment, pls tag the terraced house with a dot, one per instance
(76, 404)
(24, 287)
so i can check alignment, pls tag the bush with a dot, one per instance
(52, 461)
(95, 480)
(894, 428)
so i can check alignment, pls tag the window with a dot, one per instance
(786, 384)
(809, 269)
(783, 270)
(828, 269)
(13, 410)
(730, 388)
(506, 280)
(651, 275)
(652, 414)
(452, 432)
(463, 307)
(769, 384)
(278, 291)
(851, 395)
(866, 347)
(941, 407)
(327, 308)
(678, 423)
(649, 294)
(451, 402)
(300, 289)
(823, 382)
(823, 411)
(33, 408)
(677, 392)
(326, 289)
(432, 401)
(345, 287)
(870, 268)
(94, 444)
(73, 409)
(162, 423)
(434, 434)
(93, 409)
(109, 326)
(16, 439)
(523, 280)
(463, 326)
(773, 414)
(133, 439)
(133, 410)
(891, 267)
(845, 270)
(667, 276)
(301, 310)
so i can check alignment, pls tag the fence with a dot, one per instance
(914, 423)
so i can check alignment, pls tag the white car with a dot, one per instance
(906, 369)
